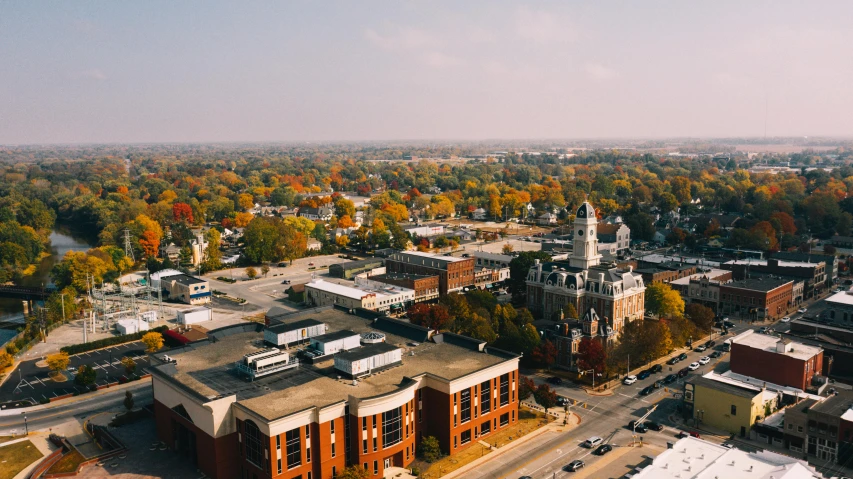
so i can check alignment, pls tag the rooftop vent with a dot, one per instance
(372, 337)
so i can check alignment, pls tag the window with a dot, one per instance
(790, 426)
(375, 467)
(504, 389)
(364, 423)
(307, 454)
(465, 405)
(799, 428)
(332, 427)
(485, 428)
(734, 410)
(293, 446)
(307, 432)
(333, 449)
(485, 397)
(253, 443)
(278, 442)
(375, 448)
(279, 466)
(504, 419)
(364, 446)
(454, 442)
(465, 437)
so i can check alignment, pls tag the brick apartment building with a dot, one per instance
(756, 298)
(665, 272)
(813, 274)
(307, 422)
(453, 273)
(778, 361)
(822, 430)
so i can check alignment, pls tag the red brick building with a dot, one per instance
(307, 422)
(756, 298)
(775, 360)
(453, 273)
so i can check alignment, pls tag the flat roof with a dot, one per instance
(207, 369)
(449, 259)
(844, 297)
(293, 326)
(406, 276)
(184, 279)
(356, 292)
(711, 273)
(758, 284)
(367, 351)
(334, 336)
(692, 457)
(836, 405)
(763, 262)
(767, 343)
(735, 389)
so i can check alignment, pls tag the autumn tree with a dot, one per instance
(591, 355)
(662, 300)
(429, 450)
(436, 317)
(251, 272)
(153, 341)
(149, 243)
(345, 222)
(58, 362)
(212, 256)
(294, 244)
(344, 207)
(507, 248)
(355, 472)
(265, 269)
(569, 311)
(545, 396)
(545, 354)
(245, 201)
(701, 315)
(182, 212)
(129, 365)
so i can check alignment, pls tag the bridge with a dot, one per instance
(24, 292)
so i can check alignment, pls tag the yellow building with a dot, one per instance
(727, 406)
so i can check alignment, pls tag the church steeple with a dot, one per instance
(585, 246)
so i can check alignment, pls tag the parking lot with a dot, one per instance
(31, 382)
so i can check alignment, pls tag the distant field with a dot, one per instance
(781, 148)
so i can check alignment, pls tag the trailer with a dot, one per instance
(331, 343)
(368, 359)
(285, 334)
(265, 362)
(194, 316)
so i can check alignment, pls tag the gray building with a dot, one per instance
(351, 268)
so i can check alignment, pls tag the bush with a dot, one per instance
(429, 449)
(102, 343)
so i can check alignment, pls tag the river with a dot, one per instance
(62, 240)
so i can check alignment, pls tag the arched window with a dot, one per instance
(253, 443)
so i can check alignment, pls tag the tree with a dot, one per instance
(342, 241)
(345, 222)
(265, 269)
(182, 212)
(829, 249)
(245, 201)
(507, 248)
(251, 272)
(86, 376)
(569, 311)
(128, 400)
(212, 256)
(294, 244)
(354, 472)
(149, 243)
(344, 207)
(642, 226)
(662, 300)
(676, 236)
(591, 355)
(153, 341)
(436, 317)
(545, 396)
(129, 365)
(58, 362)
(518, 269)
(526, 386)
(544, 354)
(702, 316)
(429, 450)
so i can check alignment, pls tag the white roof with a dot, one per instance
(712, 274)
(663, 258)
(357, 293)
(434, 256)
(848, 415)
(844, 297)
(691, 457)
(765, 342)
(165, 273)
(763, 262)
(748, 382)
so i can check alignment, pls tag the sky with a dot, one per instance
(165, 71)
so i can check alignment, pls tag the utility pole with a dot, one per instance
(62, 296)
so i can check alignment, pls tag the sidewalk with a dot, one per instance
(555, 427)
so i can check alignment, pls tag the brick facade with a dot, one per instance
(785, 370)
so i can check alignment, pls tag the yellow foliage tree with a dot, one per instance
(58, 362)
(300, 224)
(241, 220)
(342, 241)
(153, 341)
(246, 201)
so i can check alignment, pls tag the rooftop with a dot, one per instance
(334, 336)
(207, 369)
(358, 263)
(294, 325)
(730, 388)
(838, 404)
(711, 273)
(448, 259)
(400, 276)
(758, 284)
(185, 279)
(692, 457)
(844, 297)
(768, 344)
(355, 293)
(764, 262)
(366, 351)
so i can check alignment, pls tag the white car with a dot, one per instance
(693, 366)
(802, 310)
(704, 360)
(592, 442)
(786, 319)
(629, 379)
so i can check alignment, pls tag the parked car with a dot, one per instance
(654, 426)
(802, 310)
(555, 380)
(287, 281)
(656, 369)
(693, 366)
(647, 390)
(603, 449)
(786, 319)
(682, 435)
(644, 374)
(670, 378)
(683, 372)
(561, 401)
(658, 384)
(641, 428)
(704, 360)
(682, 356)
(673, 360)
(592, 442)
(710, 344)
(701, 348)
(716, 354)
(729, 324)
(629, 379)
(762, 330)
(574, 465)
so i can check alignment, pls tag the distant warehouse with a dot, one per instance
(351, 268)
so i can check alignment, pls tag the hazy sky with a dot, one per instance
(149, 71)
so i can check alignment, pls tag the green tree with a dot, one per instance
(212, 256)
(265, 269)
(518, 269)
(128, 400)
(86, 376)
(569, 311)
(429, 450)
(662, 300)
(642, 226)
(344, 207)
(702, 316)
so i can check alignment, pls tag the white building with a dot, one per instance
(131, 326)
(331, 343)
(285, 334)
(194, 316)
(199, 249)
(368, 359)
(692, 457)
(377, 298)
(479, 214)
(425, 231)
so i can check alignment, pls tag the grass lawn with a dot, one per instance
(528, 421)
(68, 463)
(14, 458)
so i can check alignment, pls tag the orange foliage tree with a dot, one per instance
(182, 212)
(149, 243)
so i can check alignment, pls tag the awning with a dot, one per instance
(397, 305)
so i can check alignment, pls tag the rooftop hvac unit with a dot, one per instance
(372, 337)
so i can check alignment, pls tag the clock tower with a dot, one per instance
(585, 245)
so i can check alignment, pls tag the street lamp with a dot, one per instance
(26, 426)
